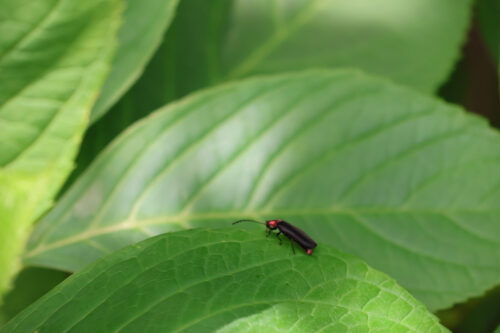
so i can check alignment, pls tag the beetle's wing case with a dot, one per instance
(296, 234)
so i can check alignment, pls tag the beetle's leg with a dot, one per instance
(268, 231)
(278, 235)
(291, 242)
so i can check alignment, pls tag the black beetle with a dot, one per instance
(292, 232)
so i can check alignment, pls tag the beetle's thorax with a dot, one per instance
(272, 224)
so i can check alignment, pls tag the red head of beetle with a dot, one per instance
(272, 224)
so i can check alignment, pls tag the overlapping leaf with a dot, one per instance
(225, 280)
(413, 42)
(53, 58)
(408, 183)
(30, 284)
(144, 23)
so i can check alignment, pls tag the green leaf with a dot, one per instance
(20, 197)
(489, 13)
(233, 39)
(226, 280)
(53, 59)
(380, 37)
(489, 16)
(183, 45)
(144, 23)
(400, 179)
(30, 284)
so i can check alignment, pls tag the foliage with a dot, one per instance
(164, 282)
(306, 158)
(53, 59)
(323, 113)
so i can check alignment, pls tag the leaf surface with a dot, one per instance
(144, 23)
(225, 280)
(30, 284)
(254, 37)
(414, 42)
(402, 180)
(489, 16)
(53, 59)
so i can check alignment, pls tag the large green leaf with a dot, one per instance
(225, 280)
(408, 183)
(413, 42)
(144, 23)
(53, 58)
(186, 45)
(210, 41)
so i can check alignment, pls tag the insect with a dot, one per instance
(292, 232)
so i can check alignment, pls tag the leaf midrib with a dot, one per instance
(278, 37)
(42, 131)
(58, 110)
(183, 219)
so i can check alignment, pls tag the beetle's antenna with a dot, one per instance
(248, 221)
